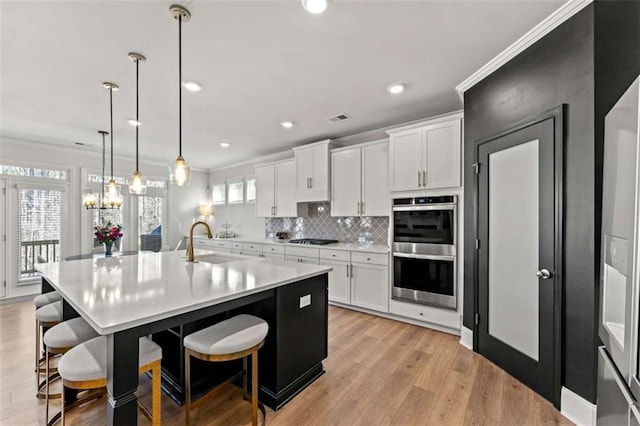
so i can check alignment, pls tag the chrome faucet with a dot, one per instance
(190, 245)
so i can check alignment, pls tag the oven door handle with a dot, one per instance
(424, 256)
(424, 207)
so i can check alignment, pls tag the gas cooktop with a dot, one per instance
(314, 241)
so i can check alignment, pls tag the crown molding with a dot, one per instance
(562, 14)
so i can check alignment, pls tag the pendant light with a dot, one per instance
(180, 170)
(138, 184)
(113, 195)
(93, 200)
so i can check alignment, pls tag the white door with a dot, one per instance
(345, 182)
(304, 169)
(265, 184)
(339, 281)
(406, 160)
(370, 286)
(375, 180)
(3, 237)
(285, 206)
(442, 144)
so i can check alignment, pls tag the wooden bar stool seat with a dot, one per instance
(235, 338)
(46, 317)
(59, 339)
(85, 368)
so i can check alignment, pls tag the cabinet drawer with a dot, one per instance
(273, 249)
(301, 251)
(252, 247)
(237, 246)
(371, 258)
(302, 259)
(274, 256)
(345, 256)
(202, 244)
(220, 244)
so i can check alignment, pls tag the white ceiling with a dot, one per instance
(260, 63)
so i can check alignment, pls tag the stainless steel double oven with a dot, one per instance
(424, 250)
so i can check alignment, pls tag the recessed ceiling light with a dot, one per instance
(287, 124)
(395, 89)
(192, 86)
(224, 144)
(134, 122)
(315, 6)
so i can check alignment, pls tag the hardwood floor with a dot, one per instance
(379, 371)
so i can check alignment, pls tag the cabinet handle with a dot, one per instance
(424, 178)
(362, 207)
(419, 178)
(347, 270)
(310, 182)
(275, 210)
(351, 271)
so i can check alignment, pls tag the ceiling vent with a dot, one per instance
(339, 117)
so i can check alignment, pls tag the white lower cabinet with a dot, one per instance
(302, 259)
(339, 281)
(370, 286)
(358, 279)
(274, 256)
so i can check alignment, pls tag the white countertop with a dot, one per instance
(118, 293)
(368, 248)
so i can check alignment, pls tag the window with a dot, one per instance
(33, 172)
(38, 226)
(150, 222)
(218, 193)
(251, 188)
(235, 189)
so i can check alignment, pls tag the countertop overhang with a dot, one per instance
(122, 292)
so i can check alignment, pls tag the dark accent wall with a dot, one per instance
(586, 63)
(558, 69)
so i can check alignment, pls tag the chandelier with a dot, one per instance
(98, 200)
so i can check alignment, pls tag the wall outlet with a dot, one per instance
(305, 301)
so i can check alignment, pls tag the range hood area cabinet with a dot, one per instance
(312, 172)
(274, 191)
(426, 155)
(359, 180)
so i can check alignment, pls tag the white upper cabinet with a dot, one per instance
(359, 180)
(312, 172)
(274, 190)
(426, 156)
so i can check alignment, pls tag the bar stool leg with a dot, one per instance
(46, 396)
(245, 373)
(187, 380)
(156, 393)
(62, 407)
(37, 370)
(254, 388)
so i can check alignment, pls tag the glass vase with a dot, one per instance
(108, 248)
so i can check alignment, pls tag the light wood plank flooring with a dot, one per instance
(378, 372)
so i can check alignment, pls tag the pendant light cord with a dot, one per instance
(111, 117)
(180, 83)
(137, 116)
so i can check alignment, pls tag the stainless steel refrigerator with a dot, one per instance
(618, 369)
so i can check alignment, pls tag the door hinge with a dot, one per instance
(477, 244)
(476, 166)
(477, 319)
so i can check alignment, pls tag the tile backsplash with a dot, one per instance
(320, 224)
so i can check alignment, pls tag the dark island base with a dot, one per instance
(290, 360)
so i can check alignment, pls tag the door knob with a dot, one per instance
(544, 274)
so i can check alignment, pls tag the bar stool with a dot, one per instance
(46, 317)
(59, 339)
(39, 301)
(235, 338)
(84, 367)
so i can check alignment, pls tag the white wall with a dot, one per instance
(182, 202)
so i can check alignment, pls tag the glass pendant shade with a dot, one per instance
(90, 200)
(112, 194)
(138, 184)
(180, 172)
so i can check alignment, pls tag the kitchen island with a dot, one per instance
(128, 297)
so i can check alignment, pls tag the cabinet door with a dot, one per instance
(375, 180)
(285, 185)
(304, 169)
(406, 152)
(442, 144)
(370, 286)
(339, 281)
(265, 184)
(320, 172)
(345, 182)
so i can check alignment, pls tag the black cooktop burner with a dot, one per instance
(314, 241)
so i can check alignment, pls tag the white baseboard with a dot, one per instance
(577, 409)
(466, 337)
